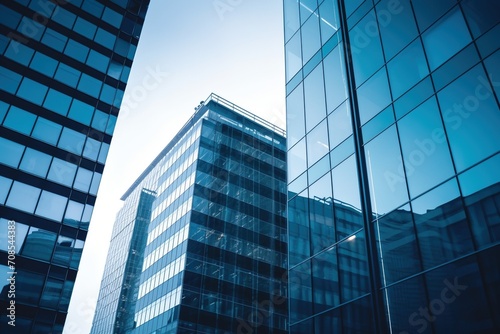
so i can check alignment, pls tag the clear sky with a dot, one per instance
(187, 50)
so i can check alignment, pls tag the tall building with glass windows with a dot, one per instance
(200, 244)
(64, 66)
(393, 156)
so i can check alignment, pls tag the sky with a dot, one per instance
(187, 50)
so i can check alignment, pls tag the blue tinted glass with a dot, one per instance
(291, 17)
(98, 61)
(293, 56)
(472, 118)
(455, 67)
(317, 143)
(329, 19)
(105, 38)
(407, 68)
(45, 8)
(76, 50)
(3, 110)
(366, 50)
(110, 127)
(326, 283)
(30, 28)
(480, 177)
(23, 197)
(428, 11)
(373, 95)
(4, 187)
(35, 162)
(385, 172)
(57, 102)
(107, 94)
(91, 149)
(32, 91)
(90, 85)
(318, 169)
(10, 18)
(99, 121)
(115, 70)
(10, 152)
(297, 160)
(46, 131)
(71, 141)
(307, 7)
(96, 180)
(93, 7)
(19, 120)
(300, 293)
(314, 96)
(43, 64)
(9, 80)
(62, 172)
(445, 38)
(335, 79)
(122, 47)
(339, 125)
(412, 98)
(33, 249)
(83, 179)
(481, 15)
(321, 214)
(19, 52)
(396, 24)
(4, 41)
(85, 28)
(73, 213)
(345, 184)
(117, 101)
(492, 64)
(342, 151)
(54, 39)
(81, 112)
(442, 228)
(378, 124)
(295, 122)
(103, 152)
(67, 75)
(425, 149)
(310, 38)
(64, 17)
(51, 206)
(112, 17)
(354, 279)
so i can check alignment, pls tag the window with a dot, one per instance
(96, 180)
(335, 79)
(112, 17)
(297, 160)
(310, 38)
(99, 121)
(5, 184)
(98, 61)
(32, 91)
(317, 143)
(373, 95)
(291, 18)
(21, 231)
(19, 52)
(35, 162)
(10, 152)
(76, 50)
(91, 149)
(64, 17)
(85, 28)
(62, 172)
(314, 96)
(295, 116)
(103, 153)
(23, 197)
(293, 57)
(44, 64)
(73, 213)
(108, 94)
(51, 206)
(445, 38)
(54, 39)
(39, 244)
(89, 85)
(67, 75)
(9, 81)
(83, 179)
(19, 120)
(105, 38)
(71, 141)
(57, 102)
(46, 131)
(81, 112)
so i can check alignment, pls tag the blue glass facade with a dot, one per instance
(215, 249)
(63, 69)
(393, 152)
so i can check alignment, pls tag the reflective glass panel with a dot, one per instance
(293, 56)
(43, 64)
(314, 95)
(39, 244)
(310, 38)
(57, 102)
(335, 79)
(71, 141)
(317, 143)
(46, 131)
(373, 95)
(51, 206)
(35, 162)
(295, 121)
(62, 172)
(10, 152)
(23, 197)
(20, 120)
(81, 111)
(297, 160)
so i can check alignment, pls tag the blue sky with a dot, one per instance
(187, 50)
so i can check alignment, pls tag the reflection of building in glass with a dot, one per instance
(63, 70)
(393, 152)
(214, 234)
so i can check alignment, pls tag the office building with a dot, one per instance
(393, 155)
(63, 70)
(205, 222)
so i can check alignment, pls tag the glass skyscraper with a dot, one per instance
(200, 243)
(393, 148)
(63, 70)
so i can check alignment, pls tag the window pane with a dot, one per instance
(81, 112)
(72, 141)
(103, 153)
(90, 85)
(9, 80)
(20, 233)
(407, 68)
(317, 143)
(314, 95)
(96, 180)
(64, 17)
(345, 186)
(301, 292)
(442, 228)
(291, 17)
(39, 244)
(373, 95)
(51, 206)
(99, 121)
(297, 160)
(76, 50)
(62, 172)
(445, 38)
(19, 120)
(481, 15)
(365, 41)
(310, 38)
(105, 38)
(73, 213)
(428, 11)
(54, 39)
(10, 152)
(5, 184)
(91, 149)
(335, 79)
(385, 172)
(43, 64)
(83, 179)
(98, 61)
(19, 52)
(32, 91)
(329, 19)
(46, 131)
(471, 117)
(112, 17)
(67, 75)
(425, 150)
(353, 267)
(57, 102)
(295, 116)
(293, 57)
(23, 197)
(85, 28)
(35, 162)
(110, 127)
